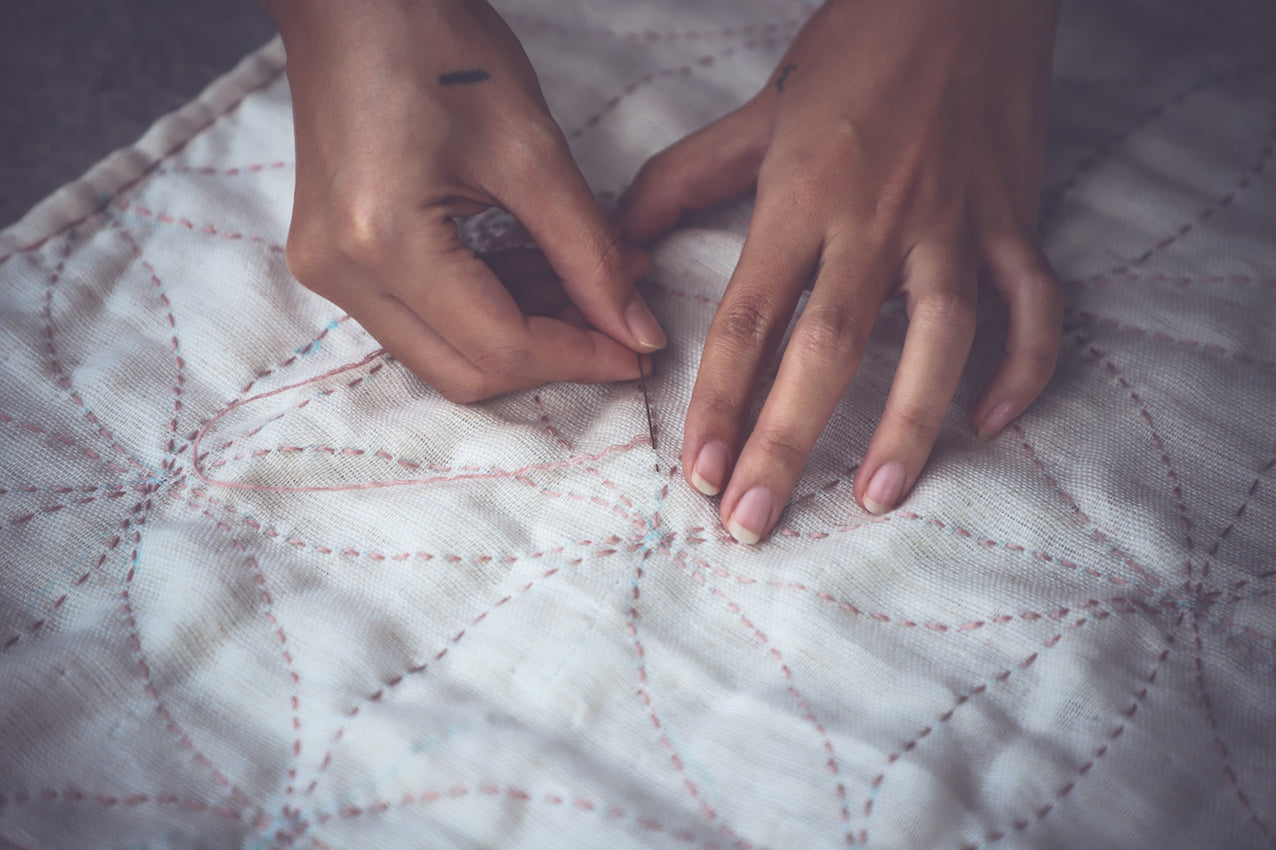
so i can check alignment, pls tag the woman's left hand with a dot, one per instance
(897, 145)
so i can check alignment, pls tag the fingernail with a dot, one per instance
(643, 325)
(997, 419)
(749, 521)
(885, 488)
(710, 470)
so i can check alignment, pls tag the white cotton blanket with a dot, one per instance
(260, 587)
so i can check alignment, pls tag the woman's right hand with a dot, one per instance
(409, 115)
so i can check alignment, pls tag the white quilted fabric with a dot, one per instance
(260, 587)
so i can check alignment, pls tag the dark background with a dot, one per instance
(80, 78)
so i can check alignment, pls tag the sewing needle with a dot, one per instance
(646, 401)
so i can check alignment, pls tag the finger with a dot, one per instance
(550, 197)
(428, 355)
(712, 165)
(461, 300)
(1021, 274)
(819, 362)
(746, 330)
(939, 281)
(535, 286)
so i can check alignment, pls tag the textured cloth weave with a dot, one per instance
(261, 587)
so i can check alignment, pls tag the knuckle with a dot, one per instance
(608, 253)
(717, 408)
(828, 332)
(745, 323)
(920, 423)
(780, 447)
(949, 307)
(533, 145)
(499, 361)
(464, 390)
(1038, 364)
(364, 230)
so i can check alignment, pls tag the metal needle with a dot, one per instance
(646, 400)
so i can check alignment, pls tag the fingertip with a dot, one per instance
(750, 519)
(708, 472)
(992, 421)
(885, 489)
(643, 325)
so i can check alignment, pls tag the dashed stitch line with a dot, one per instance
(963, 699)
(1161, 336)
(684, 71)
(700, 570)
(965, 534)
(420, 669)
(1055, 194)
(62, 380)
(644, 696)
(322, 393)
(179, 379)
(803, 705)
(205, 229)
(1244, 183)
(125, 800)
(1233, 781)
(1099, 535)
(1170, 473)
(1039, 814)
(579, 803)
(1238, 514)
(1181, 281)
(294, 680)
(549, 429)
(226, 171)
(304, 350)
(200, 500)
(270, 79)
(141, 511)
(35, 626)
(6, 419)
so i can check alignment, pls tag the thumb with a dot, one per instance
(714, 164)
(555, 204)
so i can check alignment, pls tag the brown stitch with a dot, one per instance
(1053, 196)
(1241, 356)
(802, 703)
(1219, 744)
(270, 80)
(1241, 185)
(683, 71)
(207, 229)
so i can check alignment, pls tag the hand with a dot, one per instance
(897, 144)
(409, 115)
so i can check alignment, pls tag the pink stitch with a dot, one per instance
(1055, 194)
(962, 699)
(801, 701)
(135, 641)
(1226, 200)
(268, 81)
(521, 795)
(1220, 745)
(1241, 356)
(416, 669)
(477, 475)
(646, 79)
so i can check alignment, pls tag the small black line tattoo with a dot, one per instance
(461, 78)
(784, 76)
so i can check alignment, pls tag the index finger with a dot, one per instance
(822, 357)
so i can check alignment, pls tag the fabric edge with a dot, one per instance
(84, 196)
